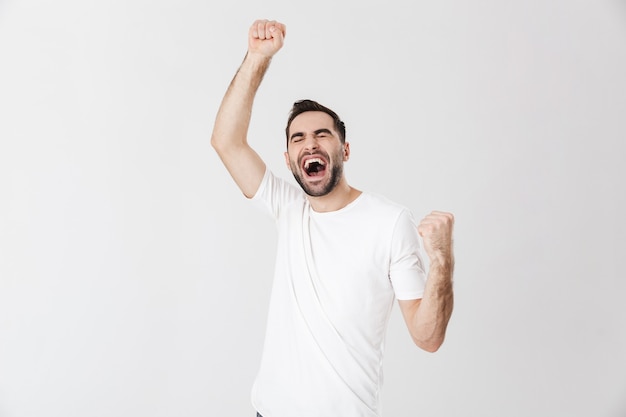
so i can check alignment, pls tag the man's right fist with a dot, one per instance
(266, 37)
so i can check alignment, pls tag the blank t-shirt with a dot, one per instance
(336, 277)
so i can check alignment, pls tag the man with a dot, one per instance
(343, 257)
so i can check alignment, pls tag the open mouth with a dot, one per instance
(314, 167)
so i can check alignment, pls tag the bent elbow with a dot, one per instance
(215, 143)
(430, 346)
(220, 146)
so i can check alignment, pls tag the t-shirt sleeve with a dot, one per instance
(275, 193)
(406, 271)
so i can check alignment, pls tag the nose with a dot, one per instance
(310, 143)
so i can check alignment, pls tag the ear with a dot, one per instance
(346, 151)
(287, 160)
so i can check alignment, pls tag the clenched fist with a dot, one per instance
(266, 37)
(436, 232)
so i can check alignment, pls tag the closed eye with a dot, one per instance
(297, 137)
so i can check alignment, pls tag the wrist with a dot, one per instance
(257, 58)
(254, 66)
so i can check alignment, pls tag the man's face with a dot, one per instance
(315, 154)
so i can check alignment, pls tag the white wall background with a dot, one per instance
(134, 277)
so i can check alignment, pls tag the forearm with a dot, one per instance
(230, 131)
(233, 117)
(430, 318)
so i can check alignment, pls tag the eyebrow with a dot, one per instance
(317, 132)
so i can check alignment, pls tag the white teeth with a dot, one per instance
(308, 162)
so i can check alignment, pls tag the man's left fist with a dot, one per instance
(436, 232)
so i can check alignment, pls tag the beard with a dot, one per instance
(330, 183)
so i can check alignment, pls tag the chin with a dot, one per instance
(325, 187)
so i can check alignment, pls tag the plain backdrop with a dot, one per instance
(134, 276)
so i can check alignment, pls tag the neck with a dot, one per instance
(342, 195)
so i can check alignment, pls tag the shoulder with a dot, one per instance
(277, 193)
(274, 185)
(382, 205)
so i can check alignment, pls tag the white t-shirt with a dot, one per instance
(336, 277)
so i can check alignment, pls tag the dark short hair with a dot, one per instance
(303, 106)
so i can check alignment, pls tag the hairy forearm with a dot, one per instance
(430, 318)
(233, 117)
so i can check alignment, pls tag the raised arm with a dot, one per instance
(427, 319)
(230, 132)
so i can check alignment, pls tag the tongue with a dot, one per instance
(316, 170)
